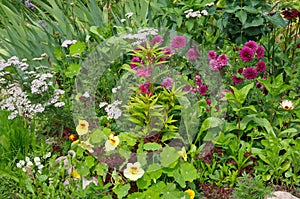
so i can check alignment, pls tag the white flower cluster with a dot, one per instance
(66, 43)
(190, 13)
(34, 166)
(22, 87)
(141, 35)
(112, 110)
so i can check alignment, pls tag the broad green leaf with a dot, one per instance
(121, 190)
(277, 20)
(143, 183)
(90, 161)
(83, 169)
(188, 172)
(241, 94)
(242, 16)
(168, 156)
(254, 23)
(77, 48)
(97, 136)
(152, 146)
(72, 70)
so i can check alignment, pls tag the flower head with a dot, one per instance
(87, 146)
(134, 171)
(144, 72)
(251, 44)
(192, 54)
(167, 83)
(287, 105)
(214, 65)
(156, 40)
(112, 143)
(75, 174)
(191, 193)
(260, 52)
(134, 61)
(203, 89)
(144, 88)
(167, 51)
(183, 154)
(237, 80)
(212, 55)
(222, 60)
(73, 137)
(246, 54)
(82, 127)
(261, 66)
(178, 42)
(250, 73)
(290, 14)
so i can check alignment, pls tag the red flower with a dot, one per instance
(237, 80)
(290, 14)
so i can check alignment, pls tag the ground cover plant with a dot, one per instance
(149, 99)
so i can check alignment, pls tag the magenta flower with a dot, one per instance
(246, 54)
(156, 40)
(203, 89)
(251, 44)
(212, 55)
(214, 65)
(167, 51)
(298, 45)
(187, 88)
(198, 80)
(260, 52)
(167, 83)
(222, 94)
(223, 60)
(144, 88)
(261, 66)
(208, 102)
(178, 42)
(240, 71)
(250, 73)
(290, 14)
(144, 72)
(135, 60)
(237, 80)
(192, 54)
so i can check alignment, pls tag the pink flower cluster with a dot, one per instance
(216, 62)
(198, 88)
(250, 50)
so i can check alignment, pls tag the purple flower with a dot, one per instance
(29, 4)
(208, 102)
(223, 60)
(192, 54)
(156, 40)
(187, 88)
(214, 65)
(167, 83)
(237, 80)
(250, 73)
(143, 72)
(260, 52)
(251, 44)
(261, 66)
(198, 80)
(246, 54)
(178, 42)
(212, 55)
(203, 89)
(133, 62)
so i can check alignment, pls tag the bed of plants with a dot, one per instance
(149, 99)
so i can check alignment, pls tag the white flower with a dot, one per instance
(102, 104)
(66, 43)
(86, 182)
(40, 167)
(59, 104)
(134, 171)
(48, 155)
(188, 11)
(29, 164)
(37, 59)
(27, 159)
(129, 14)
(204, 12)
(123, 20)
(86, 95)
(21, 163)
(114, 90)
(210, 4)
(287, 105)
(112, 143)
(37, 160)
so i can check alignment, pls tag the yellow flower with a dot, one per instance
(287, 105)
(82, 127)
(87, 146)
(112, 143)
(134, 171)
(191, 193)
(75, 174)
(73, 137)
(183, 154)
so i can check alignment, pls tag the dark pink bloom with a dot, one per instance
(237, 80)
(167, 51)
(298, 45)
(187, 88)
(259, 85)
(290, 14)
(251, 44)
(212, 55)
(261, 66)
(198, 80)
(203, 89)
(214, 65)
(223, 60)
(178, 42)
(260, 52)
(144, 87)
(143, 72)
(246, 54)
(222, 94)
(167, 83)
(208, 102)
(134, 61)
(250, 73)
(240, 71)
(192, 54)
(156, 40)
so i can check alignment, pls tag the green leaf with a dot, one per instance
(57, 53)
(251, 10)
(72, 70)
(188, 172)
(121, 190)
(101, 169)
(90, 161)
(254, 23)
(97, 136)
(83, 169)
(168, 156)
(152, 146)
(143, 183)
(277, 20)
(242, 16)
(77, 48)
(241, 94)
